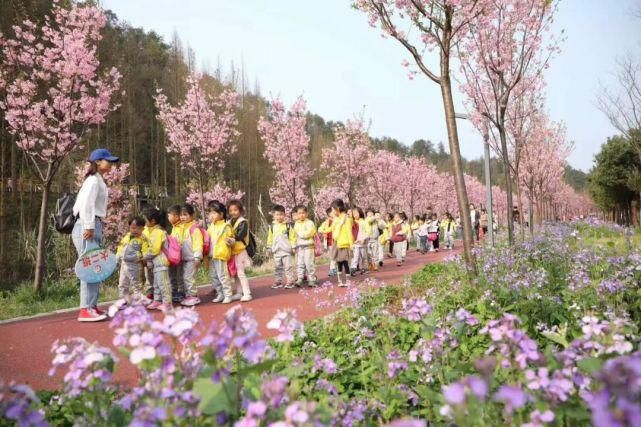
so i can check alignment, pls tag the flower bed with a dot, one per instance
(546, 334)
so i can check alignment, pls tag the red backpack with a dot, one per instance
(206, 237)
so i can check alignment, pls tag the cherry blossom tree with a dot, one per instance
(383, 181)
(287, 149)
(524, 115)
(54, 93)
(543, 162)
(416, 179)
(347, 160)
(220, 192)
(430, 31)
(200, 130)
(119, 205)
(324, 197)
(505, 50)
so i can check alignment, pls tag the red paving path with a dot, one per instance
(25, 346)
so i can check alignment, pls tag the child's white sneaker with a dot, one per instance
(227, 300)
(246, 298)
(236, 297)
(219, 298)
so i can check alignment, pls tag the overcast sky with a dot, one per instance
(326, 51)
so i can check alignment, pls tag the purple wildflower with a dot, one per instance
(539, 419)
(90, 367)
(513, 397)
(287, 325)
(326, 365)
(407, 422)
(274, 391)
(395, 364)
(415, 308)
(455, 393)
(18, 403)
(466, 317)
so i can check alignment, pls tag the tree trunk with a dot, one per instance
(42, 233)
(530, 216)
(203, 204)
(520, 204)
(508, 186)
(457, 167)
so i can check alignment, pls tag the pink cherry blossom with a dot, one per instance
(346, 161)
(200, 130)
(287, 149)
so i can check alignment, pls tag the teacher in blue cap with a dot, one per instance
(90, 209)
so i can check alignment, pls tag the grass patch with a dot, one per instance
(65, 293)
(24, 301)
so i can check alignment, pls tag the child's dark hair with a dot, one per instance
(174, 209)
(360, 212)
(328, 211)
(237, 204)
(153, 214)
(216, 206)
(137, 220)
(187, 208)
(300, 208)
(278, 208)
(403, 216)
(338, 204)
(370, 210)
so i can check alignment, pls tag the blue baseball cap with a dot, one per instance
(102, 154)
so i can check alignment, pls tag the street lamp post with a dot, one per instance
(488, 180)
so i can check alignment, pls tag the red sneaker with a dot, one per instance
(99, 311)
(90, 315)
(154, 305)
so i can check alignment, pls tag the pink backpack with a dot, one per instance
(318, 245)
(171, 249)
(206, 238)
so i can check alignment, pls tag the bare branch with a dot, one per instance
(623, 106)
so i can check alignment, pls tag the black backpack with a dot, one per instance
(63, 218)
(251, 246)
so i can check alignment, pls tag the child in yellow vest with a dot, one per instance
(239, 257)
(157, 262)
(280, 240)
(304, 232)
(360, 259)
(343, 241)
(176, 271)
(131, 249)
(220, 234)
(191, 253)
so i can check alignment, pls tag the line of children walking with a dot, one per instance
(356, 242)
(167, 263)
